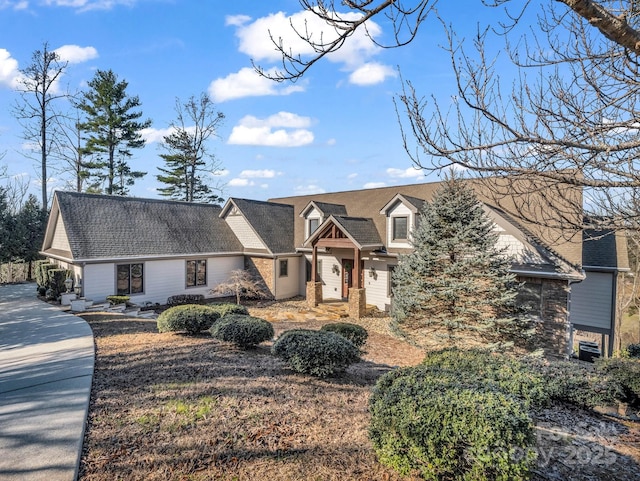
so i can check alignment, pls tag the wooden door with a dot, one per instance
(347, 277)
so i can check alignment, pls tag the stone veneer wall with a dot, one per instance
(262, 268)
(553, 333)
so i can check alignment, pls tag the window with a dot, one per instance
(197, 273)
(130, 279)
(284, 268)
(313, 225)
(399, 228)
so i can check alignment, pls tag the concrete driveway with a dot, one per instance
(46, 368)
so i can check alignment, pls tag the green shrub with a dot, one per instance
(574, 383)
(633, 350)
(449, 430)
(243, 331)
(319, 353)
(624, 376)
(477, 366)
(351, 332)
(190, 318)
(42, 291)
(115, 300)
(226, 308)
(56, 278)
(182, 299)
(40, 272)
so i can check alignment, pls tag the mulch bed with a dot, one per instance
(173, 407)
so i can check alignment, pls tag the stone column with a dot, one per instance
(314, 293)
(357, 303)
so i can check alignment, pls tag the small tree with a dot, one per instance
(241, 283)
(188, 162)
(455, 280)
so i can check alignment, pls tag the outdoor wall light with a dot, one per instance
(373, 273)
(78, 288)
(68, 284)
(335, 269)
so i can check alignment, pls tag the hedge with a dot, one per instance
(189, 318)
(243, 331)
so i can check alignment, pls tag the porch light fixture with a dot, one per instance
(78, 288)
(68, 284)
(335, 269)
(373, 273)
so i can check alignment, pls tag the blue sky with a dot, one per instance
(334, 130)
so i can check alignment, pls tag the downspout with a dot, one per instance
(570, 351)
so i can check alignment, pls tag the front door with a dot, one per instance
(347, 277)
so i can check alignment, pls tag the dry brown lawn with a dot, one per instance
(174, 407)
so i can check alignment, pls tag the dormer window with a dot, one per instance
(400, 228)
(313, 225)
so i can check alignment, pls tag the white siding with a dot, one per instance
(99, 281)
(287, 287)
(377, 286)
(313, 214)
(162, 279)
(60, 240)
(331, 282)
(591, 300)
(244, 232)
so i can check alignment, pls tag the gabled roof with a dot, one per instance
(413, 203)
(272, 222)
(114, 227)
(361, 231)
(325, 208)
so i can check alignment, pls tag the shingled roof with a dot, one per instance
(272, 222)
(105, 227)
(361, 231)
(605, 249)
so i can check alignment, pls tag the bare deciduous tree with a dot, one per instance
(241, 283)
(567, 118)
(38, 87)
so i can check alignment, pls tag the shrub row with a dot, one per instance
(182, 299)
(189, 318)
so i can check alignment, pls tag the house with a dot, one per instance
(341, 245)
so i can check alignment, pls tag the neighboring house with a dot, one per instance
(340, 246)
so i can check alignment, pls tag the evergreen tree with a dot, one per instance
(30, 226)
(113, 129)
(187, 161)
(456, 281)
(6, 226)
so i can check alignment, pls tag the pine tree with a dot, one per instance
(188, 164)
(113, 129)
(30, 227)
(456, 281)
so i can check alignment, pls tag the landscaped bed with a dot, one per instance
(168, 406)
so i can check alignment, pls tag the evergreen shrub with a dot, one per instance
(189, 318)
(56, 278)
(181, 299)
(226, 308)
(39, 271)
(319, 353)
(624, 376)
(241, 330)
(352, 332)
(445, 429)
(633, 350)
(115, 300)
(480, 367)
(574, 383)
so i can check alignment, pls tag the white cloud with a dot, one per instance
(259, 40)
(308, 189)
(371, 74)
(352, 176)
(331, 142)
(247, 83)
(9, 72)
(151, 135)
(236, 20)
(272, 131)
(374, 185)
(410, 173)
(240, 183)
(84, 5)
(75, 54)
(258, 174)
(14, 5)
